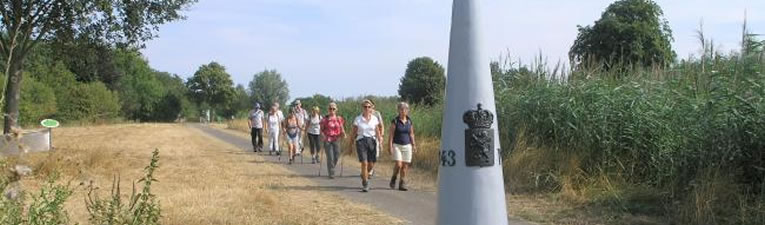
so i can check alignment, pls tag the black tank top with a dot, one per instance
(401, 135)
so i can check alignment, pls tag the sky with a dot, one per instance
(349, 48)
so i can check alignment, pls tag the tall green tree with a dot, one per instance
(175, 103)
(140, 91)
(211, 85)
(423, 82)
(240, 104)
(268, 87)
(89, 60)
(26, 23)
(631, 32)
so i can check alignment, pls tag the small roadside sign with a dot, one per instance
(49, 123)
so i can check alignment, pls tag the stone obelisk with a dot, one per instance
(470, 185)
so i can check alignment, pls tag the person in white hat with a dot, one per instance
(255, 122)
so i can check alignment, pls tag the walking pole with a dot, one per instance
(300, 145)
(320, 166)
(341, 165)
(301, 150)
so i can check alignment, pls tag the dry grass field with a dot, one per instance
(201, 179)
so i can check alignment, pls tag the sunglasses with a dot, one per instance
(332, 108)
(367, 106)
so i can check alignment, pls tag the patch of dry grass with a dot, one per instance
(201, 180)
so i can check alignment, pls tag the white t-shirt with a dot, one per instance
(366, 128)
(314, 126)
(274, 122)
(256, 118)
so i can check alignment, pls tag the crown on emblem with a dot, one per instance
(479, 118)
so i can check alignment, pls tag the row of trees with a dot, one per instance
(79, 60)
(211, 87)
(25, 25)
(132, 90)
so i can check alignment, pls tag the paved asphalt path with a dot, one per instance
(417, 207)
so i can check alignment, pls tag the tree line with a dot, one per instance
(120, 84)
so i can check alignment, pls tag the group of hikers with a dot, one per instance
(367, 136)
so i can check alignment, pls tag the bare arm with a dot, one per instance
(411, 136)
(390, 142)
(382, 124)
(249, 119)
(342, 128)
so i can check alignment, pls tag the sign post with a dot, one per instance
(470, 185)
(50, 124)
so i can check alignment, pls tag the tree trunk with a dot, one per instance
(12, 94)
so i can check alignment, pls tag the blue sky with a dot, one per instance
(346, 48)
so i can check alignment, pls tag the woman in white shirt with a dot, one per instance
(368, 131)
(273, 123)
(313, 132)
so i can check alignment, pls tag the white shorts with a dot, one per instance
(402, 153)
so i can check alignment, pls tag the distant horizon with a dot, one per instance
(349, 43)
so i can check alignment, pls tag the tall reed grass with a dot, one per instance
(685, 142)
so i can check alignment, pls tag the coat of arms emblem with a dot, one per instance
(479, 137)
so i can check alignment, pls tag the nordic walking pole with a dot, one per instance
(340, 161)
(350, 146)
(318, 153)
(341, 166)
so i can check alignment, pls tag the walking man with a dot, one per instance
(255, 122)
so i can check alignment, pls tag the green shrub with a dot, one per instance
(45, 208)
(88, 102)
(38, 102)
(142, 208)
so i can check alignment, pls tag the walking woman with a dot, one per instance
(272, 127)
(302, 117)
(332, 129)
(382, 131)
(368, 131)
(401, 145)
(313, 131)
(292, 129)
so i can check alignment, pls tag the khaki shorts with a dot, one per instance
(402, 153)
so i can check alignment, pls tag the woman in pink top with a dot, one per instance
(332, 129)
